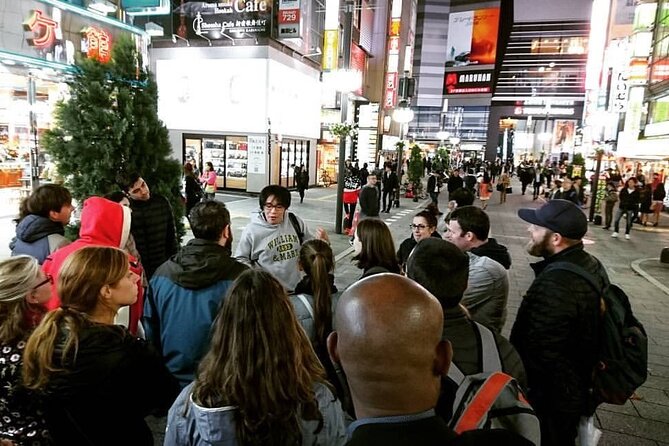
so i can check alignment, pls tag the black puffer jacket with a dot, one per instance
(629, 201)
(495, 251)
(103, 397)
(152, 226)
(555, 332)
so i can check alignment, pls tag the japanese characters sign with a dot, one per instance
(96, 43)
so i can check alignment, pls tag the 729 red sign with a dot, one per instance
(289, 16)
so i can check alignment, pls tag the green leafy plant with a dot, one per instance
(342, 130)
(416, 170)
(110, 124)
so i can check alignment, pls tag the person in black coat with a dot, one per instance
(390, 186)
(455, 182)
(424, 225)
(152, 223)
(194, 192)
(628, 205)
(302, 181)
(556, 328)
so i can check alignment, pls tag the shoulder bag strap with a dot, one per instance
(306, 304)
(490, 361)
(296, 226)
(481, 403)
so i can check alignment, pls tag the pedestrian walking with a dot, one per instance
(628, 205)
(610, 200)
(302, 182)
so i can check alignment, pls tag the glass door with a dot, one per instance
(236, 156)
(214, 150)
(193, 154)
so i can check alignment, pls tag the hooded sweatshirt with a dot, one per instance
(103, 223)
(275, 248)
(38, 236)
(193, 425)
(495, 251)
(183, 300)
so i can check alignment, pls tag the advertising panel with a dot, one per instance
(472, 37)
(226, 19)
(468, 82)
(563, 136)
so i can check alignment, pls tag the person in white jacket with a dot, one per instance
(273, 238)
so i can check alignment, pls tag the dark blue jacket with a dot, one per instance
(183, 299)
(37, 236)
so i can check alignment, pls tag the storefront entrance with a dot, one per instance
(228, 154)
(294, 153)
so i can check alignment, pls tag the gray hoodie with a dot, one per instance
(274, 248)
(190, 424)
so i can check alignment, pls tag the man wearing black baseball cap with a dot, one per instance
(556, 328)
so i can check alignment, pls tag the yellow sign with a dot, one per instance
(330, 49)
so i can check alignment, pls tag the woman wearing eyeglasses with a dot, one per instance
(24, 289)
(424, 225)
(97, 381)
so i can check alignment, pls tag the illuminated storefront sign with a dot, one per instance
(330, 49)
(470, 82)
(44, 29)
(392, 70)
(289, 19)
(553, 111)
(96, 43)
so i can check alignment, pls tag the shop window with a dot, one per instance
(228, 155)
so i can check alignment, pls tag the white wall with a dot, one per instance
(552, 10)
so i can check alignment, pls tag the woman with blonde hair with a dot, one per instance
(98, 381)
(24, 289)
(260, 383)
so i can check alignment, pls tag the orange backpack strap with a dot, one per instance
(482, 402)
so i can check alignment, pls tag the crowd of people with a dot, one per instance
(259, 347)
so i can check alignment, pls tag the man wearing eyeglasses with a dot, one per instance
(274, 236)
(152, 222)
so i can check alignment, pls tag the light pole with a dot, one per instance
(402, 115)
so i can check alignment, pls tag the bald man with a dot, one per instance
(388, 341)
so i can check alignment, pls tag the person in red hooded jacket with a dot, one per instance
(103, 223)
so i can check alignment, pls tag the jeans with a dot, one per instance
(628, 221)
(537, 187)
(434, 196)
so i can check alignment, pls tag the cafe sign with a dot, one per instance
(228, 19)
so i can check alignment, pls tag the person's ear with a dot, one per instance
(54, 215)
(31, 299)
(332, 347)
(443, 358)
(105, 292)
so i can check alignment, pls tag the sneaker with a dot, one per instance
(615, 234)
(350, 241)
(627, 236)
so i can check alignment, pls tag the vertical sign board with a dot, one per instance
(330, 49)
(392, 76)
(289, 19)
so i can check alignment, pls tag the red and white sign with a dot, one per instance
(390, 96)
(98, 44)
(43, 27)
(289, 16)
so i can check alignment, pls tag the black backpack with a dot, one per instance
(621, 365)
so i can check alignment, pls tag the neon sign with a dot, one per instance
(98, 44)
(43, 27)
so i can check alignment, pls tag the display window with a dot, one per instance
(228, 155)
(326, 163)
(294, 153)
(22, 92)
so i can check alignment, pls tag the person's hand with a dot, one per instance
(322, 235)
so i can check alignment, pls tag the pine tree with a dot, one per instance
(109, 124)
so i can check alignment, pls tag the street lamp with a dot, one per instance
(402, 115)
(443, 136)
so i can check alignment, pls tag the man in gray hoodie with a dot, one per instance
(274, 236)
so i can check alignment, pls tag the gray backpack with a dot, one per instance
(491, 399)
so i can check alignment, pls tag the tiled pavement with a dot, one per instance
(642, 421)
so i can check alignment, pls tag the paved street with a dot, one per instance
(632, 264)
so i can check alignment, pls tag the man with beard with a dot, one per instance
(187, 290)
(556, 328)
